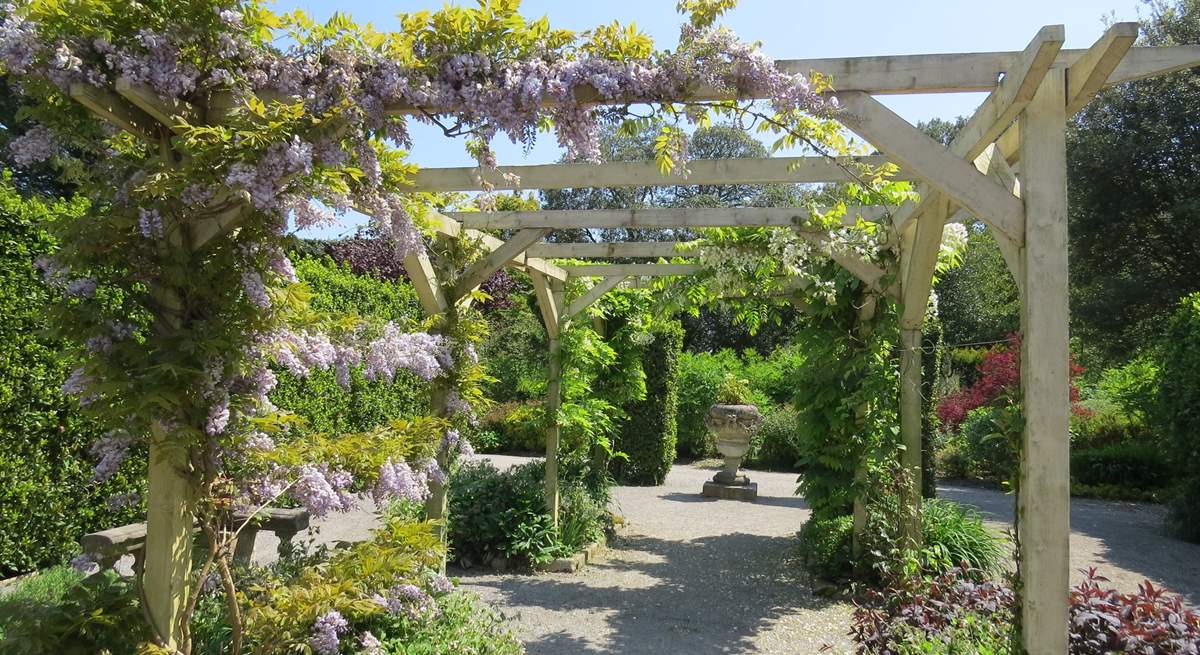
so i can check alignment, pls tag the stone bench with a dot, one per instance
(108, 546)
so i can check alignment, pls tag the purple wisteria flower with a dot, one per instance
(370, 644)
(421, 353)
(218, 415)
(325, 631)
(407, 600)
(110, 451)
(323, 490)
(397, 481)
(440, 584)
(150, 223)
(34, 146)
(256, 291)
(455, 443)
(85, 564)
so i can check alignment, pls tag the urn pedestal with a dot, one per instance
(733, 425)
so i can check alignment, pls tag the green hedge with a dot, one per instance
(1178, 413)
(319, 398)
(47, 500)
(649, 435)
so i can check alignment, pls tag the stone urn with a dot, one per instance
(733, 425)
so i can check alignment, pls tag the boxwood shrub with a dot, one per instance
(47, 499)
(648, 437)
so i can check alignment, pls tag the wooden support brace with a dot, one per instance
(1088, 74)
(911, 435)
(170, 514)
(595, 293)
(424, 280)
(931, 161)
(483, 269)
(919, 262)
(655, 217)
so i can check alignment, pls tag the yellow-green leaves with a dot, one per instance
(703, 13)
(670, 146)
(614, 41)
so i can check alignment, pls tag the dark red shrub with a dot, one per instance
(999, 374)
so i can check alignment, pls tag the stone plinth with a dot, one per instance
(746, 492)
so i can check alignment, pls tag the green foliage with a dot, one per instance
(1178, 400)
(1133, 387)
(515, 352)
(968, 634)
(47, 499)
(847, 402)
(496, 513)
(463, 624)
(647, 438)
(1133, 465)
(952, 534)
(775, 445)
(989, 455)
(734, 391)
(978, 301)
(325, 405)
(100, 613)
(961, 533)
(1134, 246)
(825, 546)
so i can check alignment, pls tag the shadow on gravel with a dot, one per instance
(1131, 535)
(774, 501)
(706, 596)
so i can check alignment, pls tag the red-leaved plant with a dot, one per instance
(1149, 621)
(1101, 621)
(999, 375)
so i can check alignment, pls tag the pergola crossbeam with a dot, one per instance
(1088, 74)
(670, 217)
(118, 111)
(635, 270)
(749, 170)
(167, 113)
(933, 162)
(612, 250)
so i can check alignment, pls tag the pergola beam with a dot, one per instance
(750, 170)
(116, 110)
(612, 250)
(597, 291)
(636, 270)
(167, 112)
(670, 217)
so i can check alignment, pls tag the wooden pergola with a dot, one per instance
(1007, 168)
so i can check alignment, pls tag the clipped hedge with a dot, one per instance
(649, 435)
(47, 499)
(1135, 466)
(319, 398)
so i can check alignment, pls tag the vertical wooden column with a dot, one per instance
(910, 434)
(170, 514)
(435, 505)
(553, 400)
(549, 294)
(1044, 506)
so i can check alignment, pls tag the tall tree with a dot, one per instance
(1134, 165)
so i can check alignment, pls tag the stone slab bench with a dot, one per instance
(108, 546)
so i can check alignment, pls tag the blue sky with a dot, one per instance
(787, 29)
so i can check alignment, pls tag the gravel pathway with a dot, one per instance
(697, 576)
(687, 574)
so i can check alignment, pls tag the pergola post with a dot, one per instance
(434, 302)
(549, 293)
(910, 435)
(1044, 502)
(865, 314)
(166, 572)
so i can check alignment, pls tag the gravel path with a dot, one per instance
(697, 576)
(687, 574)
